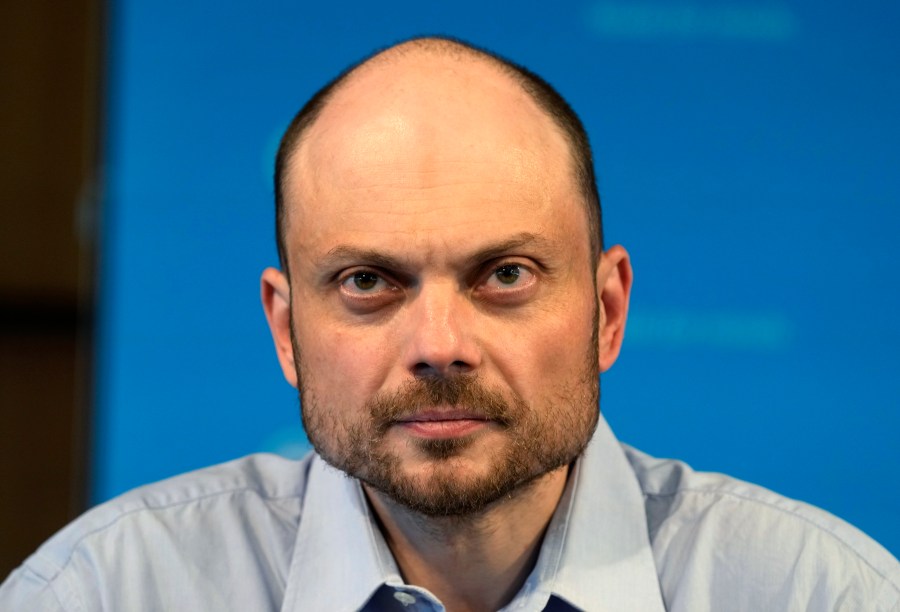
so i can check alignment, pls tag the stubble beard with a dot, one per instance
(537, 439)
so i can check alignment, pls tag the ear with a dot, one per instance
(613, 290)
(275, 292)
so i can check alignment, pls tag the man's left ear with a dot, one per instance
(614, 277)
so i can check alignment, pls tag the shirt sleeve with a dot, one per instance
(26, 591)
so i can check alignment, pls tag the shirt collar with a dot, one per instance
(596, 553)
(340, 557)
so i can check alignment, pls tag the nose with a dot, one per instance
(442, 333)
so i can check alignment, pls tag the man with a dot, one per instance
(445, 306)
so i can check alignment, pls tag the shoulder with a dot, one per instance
(217, 519)
(719, 539)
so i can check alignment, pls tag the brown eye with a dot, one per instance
(508, 274)
(365, 281)
(509, 283)
(366, 290)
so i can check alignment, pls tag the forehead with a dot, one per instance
(429, 106)
(420, 142)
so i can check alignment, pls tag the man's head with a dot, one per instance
(541, 92)
(447, 309)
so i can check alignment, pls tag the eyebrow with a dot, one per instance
(342, 254)
(516, 242)
(345, 253)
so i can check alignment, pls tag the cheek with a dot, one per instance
(554, 347)
(566, 346)
(345, 366)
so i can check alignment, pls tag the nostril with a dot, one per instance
(423, 369)
(460, 366)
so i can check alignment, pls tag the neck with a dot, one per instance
(476, 562)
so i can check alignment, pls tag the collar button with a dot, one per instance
(405, 598)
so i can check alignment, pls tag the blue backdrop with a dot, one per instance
(748, 158)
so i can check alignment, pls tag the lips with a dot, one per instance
(431, 415)
(450, 423)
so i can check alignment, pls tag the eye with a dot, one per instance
(364, 282)
(367, 290)
(509, 284)
(509, 276)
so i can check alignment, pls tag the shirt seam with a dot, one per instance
(50, 584)
(122, 514)
(793, 513)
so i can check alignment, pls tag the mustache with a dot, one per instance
(464, 392)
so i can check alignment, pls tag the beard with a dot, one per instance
(537, 439)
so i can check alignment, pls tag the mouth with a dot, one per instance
(436, 423)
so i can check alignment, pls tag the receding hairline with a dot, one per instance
(448, 48)
(547, 100)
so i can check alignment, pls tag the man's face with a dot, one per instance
(442, 294)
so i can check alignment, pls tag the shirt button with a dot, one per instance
(405, 598)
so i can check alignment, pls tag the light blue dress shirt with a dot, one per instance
(630, 533)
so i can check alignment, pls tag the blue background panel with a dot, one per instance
(747, 154)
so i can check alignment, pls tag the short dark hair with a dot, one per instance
(544, 95)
